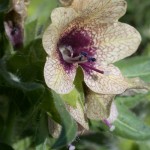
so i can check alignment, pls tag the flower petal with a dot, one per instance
(54, 128)
(113, 113)
(98, 105)
(62, 16)
(57, 77)
(50, 39)
(111, 82)
(78, 114)
(108, 42)
(103, 11)
(115, 41)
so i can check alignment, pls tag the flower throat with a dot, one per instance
(82, 58)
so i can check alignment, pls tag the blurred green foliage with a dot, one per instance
(25, 100)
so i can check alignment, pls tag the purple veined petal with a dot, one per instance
(62, 16)
(111, 82)
(114, 41)
(108, 43)
(98, 105)
(101, 11)
(58, 76)
(50, 39)
(78, 114)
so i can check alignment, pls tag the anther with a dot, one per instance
(80, 58)
(91, 59)
(84, 54)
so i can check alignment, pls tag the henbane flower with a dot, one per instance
(88, 34)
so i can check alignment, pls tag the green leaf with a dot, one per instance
(69, 126)
(30, 30)
(135, 67)
(22, 144)
(71, 98)
(49, 107)
(44, 145)
(30, 60)
(11, 80)
(144, 145)
(4, 146)
(1, 124)
(41, 131)
(40, 11)
(132, 101)
(129, 126)
(4, 5)
(79, 81)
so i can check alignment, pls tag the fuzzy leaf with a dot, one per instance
(135, 67)
(30, 30)
(5, 147)
(69, 127)
(129, 126)
(4, 5)
(132, 101)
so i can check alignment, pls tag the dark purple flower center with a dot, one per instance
(77, 46)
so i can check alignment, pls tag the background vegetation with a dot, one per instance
(24, 103)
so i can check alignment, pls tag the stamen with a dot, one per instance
(91, 59)
(84, 54)
(67, 54)
(92, 68)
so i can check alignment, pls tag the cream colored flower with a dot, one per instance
(88, 34)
